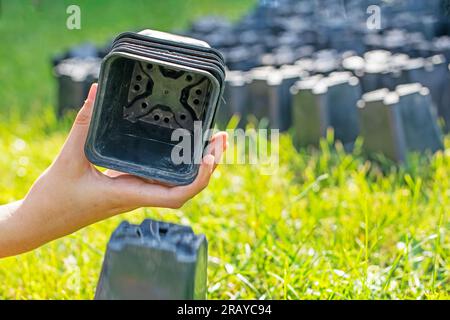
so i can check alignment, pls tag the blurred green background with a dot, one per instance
(327, 225)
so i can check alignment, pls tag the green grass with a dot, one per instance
(327, 225)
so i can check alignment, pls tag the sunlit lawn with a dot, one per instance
(325, 225)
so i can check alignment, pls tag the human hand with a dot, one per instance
(72, 193)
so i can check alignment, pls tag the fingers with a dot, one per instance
(218, 145)
(143, 193)
(179, 195)
(139, 193)
(209, 163)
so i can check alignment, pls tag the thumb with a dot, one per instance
(84, 115)
(75, 142)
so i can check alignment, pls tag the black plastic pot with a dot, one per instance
(150, 85)
(154, 261)
(75, 76)
(398, 122)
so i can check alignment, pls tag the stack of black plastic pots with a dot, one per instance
(152, 261)
(152, 84)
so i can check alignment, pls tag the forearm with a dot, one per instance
(24, 226)
(10, 239)
(43, 216)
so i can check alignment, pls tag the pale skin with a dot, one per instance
(72, 193)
